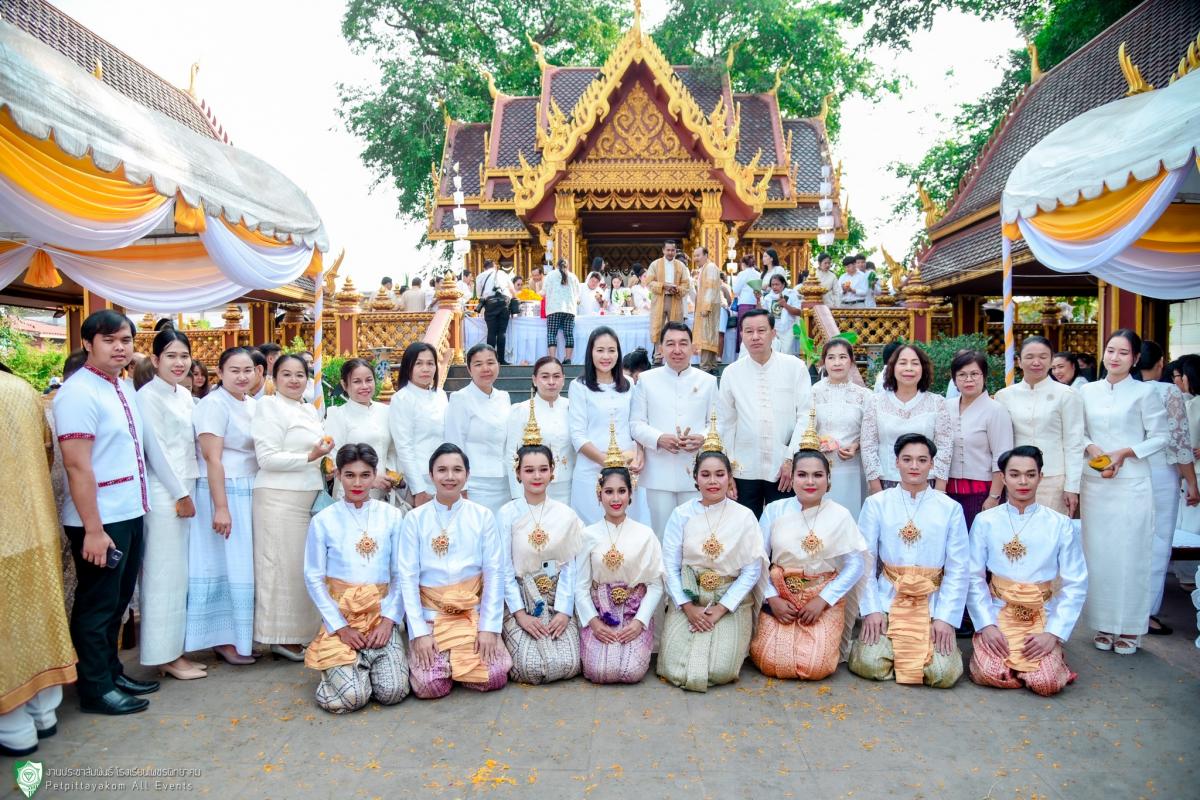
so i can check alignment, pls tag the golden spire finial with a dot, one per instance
(533, 434)
(824, 112)
(614, 457)
(810, 440)
(538, 52)
(712, 439)
(1035, 69)
(1189, 61)
(192, 78)
(98, 70)
(927, 205)
(1133, 75)
(779, 77)
(491, 83)
(733, 48)
(637, 15)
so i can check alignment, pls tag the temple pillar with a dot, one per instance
(916, 295)
(1118, 308)
(346, 333)
(93, 302)
(1051, 324)
(711, 233)
(293, 320)
(565, 233)
(262, 323)
(967, 315)
(233, 325)
(74, 316)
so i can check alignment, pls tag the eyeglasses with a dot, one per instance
(970, 376)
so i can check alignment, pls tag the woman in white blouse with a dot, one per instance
(476, 421)
(840, 404)
(562, 303)
(600, 402)
(639, 292)
(1125, 423)
(361, 420)
(289, 444)
(1065, 370)
(905, 406)
(417, 418)
(983, 432)
(166, 404)
(1167, 467)
(220, 600)
(1049, 416)
(550, 411)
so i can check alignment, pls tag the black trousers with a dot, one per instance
(754, 495)
(101, 598)
(496, 317)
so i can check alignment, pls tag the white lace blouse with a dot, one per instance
(886, 418)
(1179, 436)
(840, 409)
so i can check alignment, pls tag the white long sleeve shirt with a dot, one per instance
(1125, 414)
(849, 566)
(474, 550)
(742, 290)
(1049, 416)
(330, 552)
(1178, 449)
(942, 544)
(634, 538)
(494, 279)
(477, 423)
(170, 408)
(285, 432)
(758, 408)
(417, 420)
(563, 563)
(554, 424)
(590, 413)
(666, 401)
(355, 423)
(1052, 551)
(887, 418)
(673, 564)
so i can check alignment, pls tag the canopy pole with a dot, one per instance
(318, 334)
(1009, 348)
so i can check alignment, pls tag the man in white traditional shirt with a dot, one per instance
(413, 299)
(828, 281)
(669, 415)
(759, 402)
(854, 283)
(912, 605)
(1025, 611)
(591, 297)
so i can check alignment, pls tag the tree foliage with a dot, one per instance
(26, 361)
(435, 50)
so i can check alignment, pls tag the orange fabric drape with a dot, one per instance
(253, 237)
(72, 185)
(1176, 231)
(909, 621)
(360, 604)
(189, 219)
(456, 626)
(1023, 614)
(1094, 219)
(41, 272)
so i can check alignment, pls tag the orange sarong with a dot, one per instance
(360, 604)
(804, 652)
(908, 620)
(1024, 613)
(456, 627)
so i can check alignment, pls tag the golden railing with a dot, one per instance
(874, 326)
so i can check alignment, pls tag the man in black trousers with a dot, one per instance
(495, 293)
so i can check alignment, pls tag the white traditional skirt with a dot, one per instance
(1165, 480)
(220, 594)
(587, 504)
(849, 487)
(1118, 530)
(164, 579)
(283, 611)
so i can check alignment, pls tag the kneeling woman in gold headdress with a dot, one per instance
(817, 556)
(540, 538)
(713, 557)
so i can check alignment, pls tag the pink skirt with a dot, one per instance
(616, 663)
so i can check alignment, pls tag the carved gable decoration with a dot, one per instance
(638, 131)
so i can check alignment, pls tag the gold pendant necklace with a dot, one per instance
(366, 546)
(614, 558)
(538, 538)
(712, 546)
(1014, 548)
(441, 543)
(812, 543)
(910, 533)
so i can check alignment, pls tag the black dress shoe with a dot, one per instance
(9, 752)
(48, 732)
(1162, 630)
(129, 686)
(113, 703)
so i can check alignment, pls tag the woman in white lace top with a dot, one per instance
(840, 404)
(905, 406)
(1167, 467)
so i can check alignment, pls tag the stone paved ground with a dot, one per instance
(1127, 729)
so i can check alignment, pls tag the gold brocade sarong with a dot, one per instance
(360, 604)
(1024, 613)
(908, 620)
(456, 627)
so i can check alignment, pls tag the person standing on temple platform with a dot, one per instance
(537, 279)
(1028, 584)
(913, 602)
(671, 406)
(708, 328)
(759, 403)
(562, 301)
(261, 386)
(108, 456)
(745, 293)
(38, 657)
(413, 299)
(854, 283)
(828, 281)
(771, 266)
(670, 282)
(868, 269)
(495, 293)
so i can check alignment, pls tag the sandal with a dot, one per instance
(1125, 645)
(1103, 641)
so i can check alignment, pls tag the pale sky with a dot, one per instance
(270, 70)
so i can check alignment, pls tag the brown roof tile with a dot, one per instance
(465, 147)
(965, 250)
(806, 154)
(490, 219)
(518, 132)
(567, 85)
(1156, 34)
(120, 71)
(802, 218)
(705, 91)
(758, 129)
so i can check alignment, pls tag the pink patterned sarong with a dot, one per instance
(616, 663)
(1050, 677)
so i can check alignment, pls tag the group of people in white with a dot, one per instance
(471, 540)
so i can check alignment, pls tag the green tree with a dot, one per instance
(26, 361)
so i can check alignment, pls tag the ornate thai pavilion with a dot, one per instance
(610, 161)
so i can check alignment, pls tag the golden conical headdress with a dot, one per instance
(614, 457)
(533, 434)
(712, 439)
(810, 440)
